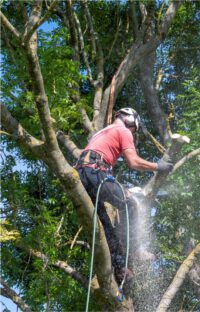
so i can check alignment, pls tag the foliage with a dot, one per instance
(36, 213)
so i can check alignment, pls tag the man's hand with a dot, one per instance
(164, 166)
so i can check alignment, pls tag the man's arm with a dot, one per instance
(136, 162)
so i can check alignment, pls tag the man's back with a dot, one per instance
(111, 141)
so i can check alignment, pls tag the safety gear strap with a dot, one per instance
(92, 159)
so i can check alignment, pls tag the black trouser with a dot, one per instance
(111, 193)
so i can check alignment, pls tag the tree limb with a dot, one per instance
(68, 145)
(40, 94)
(61, 265)
(92, 32)
(76, 236)
(77, 243)
(85, 120)
(32, 21)
(19, 133)
(9, 26)
(33, 25)
(114, 40)
(8, 44)
(169, 16)
(72, 28)
(143, 12)
(185, 158)
(7, 292)
(178, 280)
(136, 54)
(134, 18)
(82, 46)
(146, 67)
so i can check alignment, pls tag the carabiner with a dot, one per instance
(120, 295)
(110, 178)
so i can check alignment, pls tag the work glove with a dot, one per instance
(164, 166)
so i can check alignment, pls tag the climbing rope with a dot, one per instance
(119, 295)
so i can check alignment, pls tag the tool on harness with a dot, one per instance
(120, 294)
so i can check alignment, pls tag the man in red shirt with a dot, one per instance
(100, 155)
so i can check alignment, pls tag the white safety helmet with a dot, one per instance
(130, 117)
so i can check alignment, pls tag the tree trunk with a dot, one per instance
(151, 97)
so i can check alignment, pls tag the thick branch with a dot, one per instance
(136, 54)
(146, 67)
(178, 280)
(32, 21)
(19, 133)
(169, 16)
(85, 120)
(9, 26)
(7, 292)
(68, 145)
(40, 94)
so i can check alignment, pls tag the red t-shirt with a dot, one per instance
(110, 142)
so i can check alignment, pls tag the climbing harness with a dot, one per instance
(93, 160)
(120, 294)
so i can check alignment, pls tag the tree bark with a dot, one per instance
(158, 117)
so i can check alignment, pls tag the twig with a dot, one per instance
(77, 243)
(59, 226)
(75, 237)
(185, 158)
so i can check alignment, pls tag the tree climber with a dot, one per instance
(98, 158)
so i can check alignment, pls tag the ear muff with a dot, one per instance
(131, 121)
